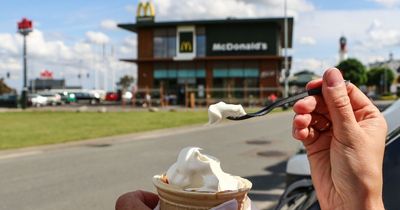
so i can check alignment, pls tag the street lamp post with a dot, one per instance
(24, 28)
(287, 72)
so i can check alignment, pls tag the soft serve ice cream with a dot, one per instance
(196, 181)
(194, 171)
(218, 111)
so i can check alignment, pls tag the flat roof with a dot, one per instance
(149, 24)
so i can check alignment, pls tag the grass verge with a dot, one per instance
(23, 129)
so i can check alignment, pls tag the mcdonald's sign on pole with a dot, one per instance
(145, 12)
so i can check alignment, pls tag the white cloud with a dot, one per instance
(108, 24)
(97, 37)
(207, 9)
(10, 64)
(8, 43)
(309, 64)
(381, 37)
(130, 41)
(65, 60)
(375, 58)
(307, 40)
(388, 3)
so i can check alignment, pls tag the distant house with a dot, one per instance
(46, 84)
(299, 80)
(394, 65)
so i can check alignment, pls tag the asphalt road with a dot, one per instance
(92, 174)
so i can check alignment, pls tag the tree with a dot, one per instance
(4, 88)
(125, 82)
(376, 78)
(354, 71)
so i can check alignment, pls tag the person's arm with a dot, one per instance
(137, 200)
(344, 135)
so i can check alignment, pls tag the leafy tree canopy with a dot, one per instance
(376, 77)
(125, 82)
(354, 71)
(4, 88)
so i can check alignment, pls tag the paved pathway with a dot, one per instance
(91, 174)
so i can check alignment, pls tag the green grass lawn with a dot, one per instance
(23, 129)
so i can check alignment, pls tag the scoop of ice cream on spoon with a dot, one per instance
(221, 110)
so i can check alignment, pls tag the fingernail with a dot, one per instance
(333, 77)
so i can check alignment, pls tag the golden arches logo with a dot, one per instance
(186, 47)
(145, 10)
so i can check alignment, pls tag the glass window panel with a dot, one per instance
(218, 73)
(160, 47)
(201, 45)
(172, 74)
(171, 46)
(251, 72)
(186, 73)
(164, 42)
(252, 82)
(158, 74)
(182, 73)
(191, 73)
(236, 73)
(201, 73)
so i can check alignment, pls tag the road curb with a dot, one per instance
(123, 138)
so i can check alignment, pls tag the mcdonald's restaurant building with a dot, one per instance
(229, 59)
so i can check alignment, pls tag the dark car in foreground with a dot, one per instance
(9, 100)
(83, 97)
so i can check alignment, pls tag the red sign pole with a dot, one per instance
(24, 28)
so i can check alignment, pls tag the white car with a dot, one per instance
(37, 100)
(52, 98)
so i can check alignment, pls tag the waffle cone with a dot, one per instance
(174, 198)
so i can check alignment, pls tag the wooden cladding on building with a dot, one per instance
(145, 43)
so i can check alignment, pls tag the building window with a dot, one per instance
(251, 70)
(164, 43)
(172, 71)
(200, 42)
(159, 74)
(235, 79)
(236, 70)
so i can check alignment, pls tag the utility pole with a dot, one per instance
(24, 28)
(385, 90)
(105, 59)
(287, 72)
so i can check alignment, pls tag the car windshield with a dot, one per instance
(392, 117)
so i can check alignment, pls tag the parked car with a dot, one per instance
(112, 96)
(83, 97)
(37, 100)
(67, 97)
(9, 100)
(52, 98)
(127, 96)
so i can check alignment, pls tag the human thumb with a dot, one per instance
(338, 102)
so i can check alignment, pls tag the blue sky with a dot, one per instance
(73, 32)
(69, 18)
